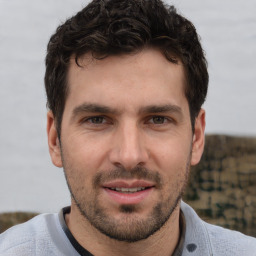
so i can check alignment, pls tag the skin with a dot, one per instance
(122, 113)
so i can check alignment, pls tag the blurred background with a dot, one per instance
(28, 180)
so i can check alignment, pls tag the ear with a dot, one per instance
(198, 138)
(53, 141)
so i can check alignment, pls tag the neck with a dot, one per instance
(163, 242)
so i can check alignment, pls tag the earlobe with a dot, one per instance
(53, 141)
(198, 138)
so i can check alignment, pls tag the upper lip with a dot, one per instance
(128, 184)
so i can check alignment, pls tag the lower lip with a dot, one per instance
(128, 198)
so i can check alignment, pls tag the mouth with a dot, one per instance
(124, 192)
(128, 190)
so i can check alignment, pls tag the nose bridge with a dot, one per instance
(129, 150)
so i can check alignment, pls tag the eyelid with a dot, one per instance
(88, 119)
(107, 120)
(167, 119)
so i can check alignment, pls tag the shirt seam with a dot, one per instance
(207, 237)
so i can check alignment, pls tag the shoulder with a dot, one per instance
(29, 237)
(214, 240)
(229, 242)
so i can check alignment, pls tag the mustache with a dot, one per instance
(138, 172)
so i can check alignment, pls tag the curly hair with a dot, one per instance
(112, 27)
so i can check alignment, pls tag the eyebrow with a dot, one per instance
(92, 108)
(102, 109)
(161, 109)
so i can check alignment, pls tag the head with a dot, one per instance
(125, 82)
(106, 28)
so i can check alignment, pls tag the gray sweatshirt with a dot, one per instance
(44, 236)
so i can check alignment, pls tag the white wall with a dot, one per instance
(28, 181)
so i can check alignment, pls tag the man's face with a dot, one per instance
(126, 142)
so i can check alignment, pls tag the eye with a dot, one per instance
(158, 120)
(96, 120)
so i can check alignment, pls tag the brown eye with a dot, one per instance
(96, 120)
(158, 119)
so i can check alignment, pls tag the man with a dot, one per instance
(125, 82)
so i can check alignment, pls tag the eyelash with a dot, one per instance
(150, 120)
(90, 120)
(163, 119)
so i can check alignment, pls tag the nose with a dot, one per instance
(128, 147)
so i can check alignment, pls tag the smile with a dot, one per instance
(124, 195)
(128, 190)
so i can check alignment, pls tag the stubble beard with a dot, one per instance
(130, 228)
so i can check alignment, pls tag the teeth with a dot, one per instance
(128, 190)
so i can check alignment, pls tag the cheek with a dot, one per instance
(174, 168)
(85, 155)
(171, 154)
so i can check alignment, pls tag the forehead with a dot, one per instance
(143, 77)
(148, 59)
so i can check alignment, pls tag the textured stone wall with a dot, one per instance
(222, 187)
